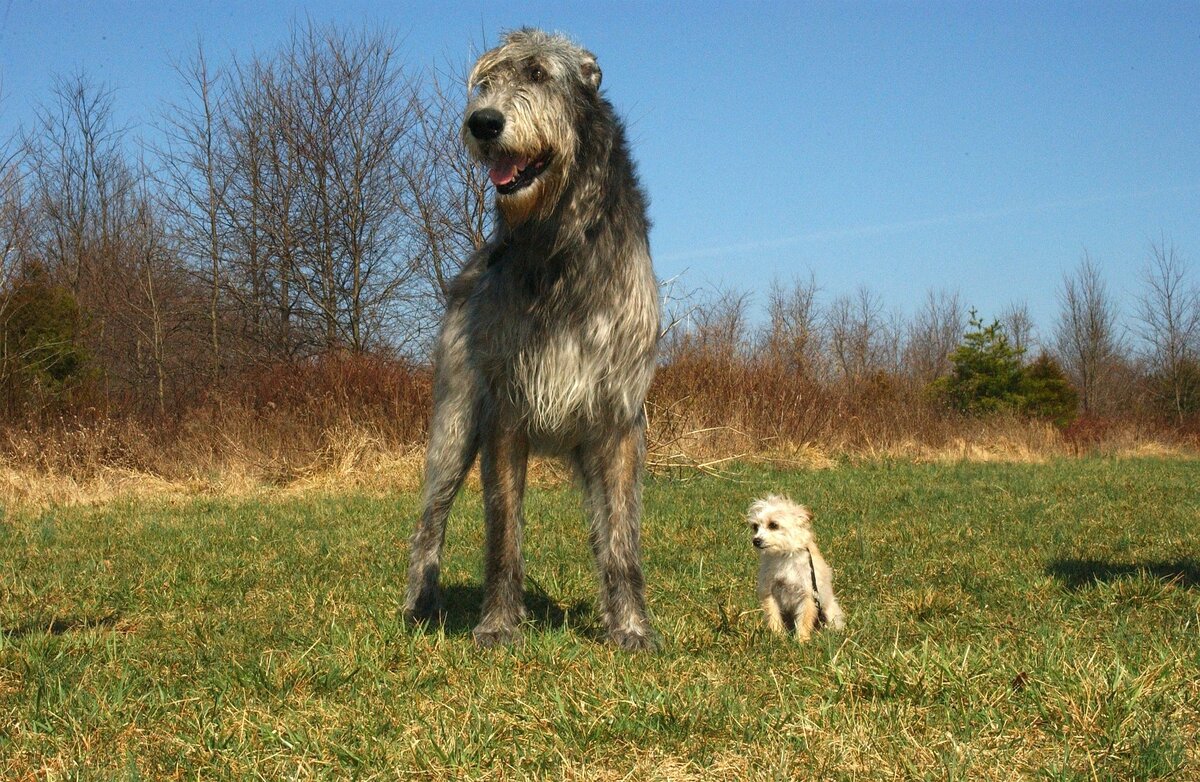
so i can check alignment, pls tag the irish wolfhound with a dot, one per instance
(549, 338)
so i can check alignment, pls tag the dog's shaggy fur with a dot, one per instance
(549, 338)
(795, 584)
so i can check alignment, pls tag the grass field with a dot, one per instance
(1005, 622)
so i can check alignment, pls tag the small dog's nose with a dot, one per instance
(486, 124)
(758, 543)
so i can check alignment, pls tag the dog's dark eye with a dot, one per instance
(537, 74)
(772, 525)
(754, 527)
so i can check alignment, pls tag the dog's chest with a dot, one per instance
(560, 356)
(558, 373)
(785, 580)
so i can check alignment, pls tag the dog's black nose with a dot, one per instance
(486, 124)
(758, 543)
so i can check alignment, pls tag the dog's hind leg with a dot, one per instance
(611, 474)
(453, 443)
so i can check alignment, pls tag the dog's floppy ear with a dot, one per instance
(589, 69)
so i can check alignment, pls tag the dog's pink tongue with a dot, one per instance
(505, 170)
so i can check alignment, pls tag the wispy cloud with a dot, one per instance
(901, 226)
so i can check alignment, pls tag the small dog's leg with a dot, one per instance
(611, 472)
(453, 443)
(806, 618)
(504, 452)
(775, 623)
(834, 617)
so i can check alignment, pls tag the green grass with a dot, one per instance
(1005, 622)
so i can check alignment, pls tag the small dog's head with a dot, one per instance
(779, 525)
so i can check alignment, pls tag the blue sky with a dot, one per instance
(981, 147)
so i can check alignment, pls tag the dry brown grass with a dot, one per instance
(99, 464)
(339, 424)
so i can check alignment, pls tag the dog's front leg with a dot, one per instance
(611, 470)
(504, 452)
(775, 623)
(806, 618)
(453, 442)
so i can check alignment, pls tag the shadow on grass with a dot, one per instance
(464, 602)
(1080, 573)
(61, 625)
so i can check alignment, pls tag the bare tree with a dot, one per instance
(1168, 316)
(15, 241)
(81, 178)
(346, 110)
(196, 176)
(713, 328)
(319, 140)
(933, 334)
(1086, 337)
(15, 220)
(793, 334)
(149, 313)
(1018, 324)
(263, 188)
(862, 339)
(83, 188)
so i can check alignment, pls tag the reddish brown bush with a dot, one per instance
(390, 395)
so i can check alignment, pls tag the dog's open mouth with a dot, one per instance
(510, 174)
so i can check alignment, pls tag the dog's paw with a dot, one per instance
(495, 635)
(426, 608)
(836, 621)
(633, 640)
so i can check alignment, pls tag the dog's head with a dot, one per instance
(527, 103)
(779, 525)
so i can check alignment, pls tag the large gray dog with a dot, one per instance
(550, 333)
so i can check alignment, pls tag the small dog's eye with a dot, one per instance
(754, 527)
(537, 74)
(772, 525)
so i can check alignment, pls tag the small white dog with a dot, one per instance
(795, 584)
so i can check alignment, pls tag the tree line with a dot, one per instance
(314, 201)
(1093, 362)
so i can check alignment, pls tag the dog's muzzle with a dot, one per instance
(758, 543)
